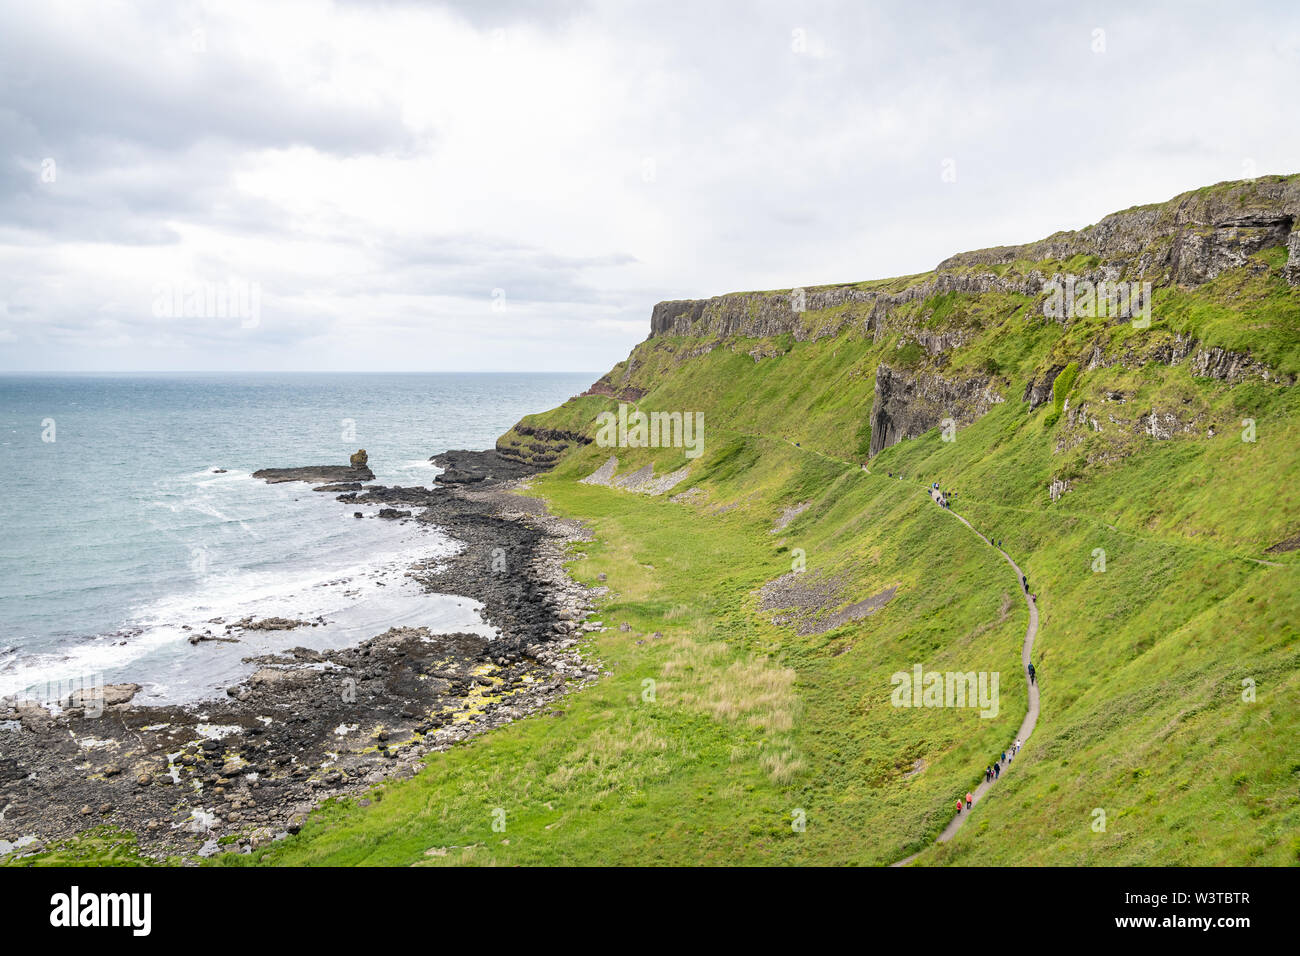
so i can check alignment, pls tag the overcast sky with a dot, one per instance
(483, 185)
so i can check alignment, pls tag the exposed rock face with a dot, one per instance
(1231, 367)
(1039, 390)
(359, 459)
(907, 405)
(1198, 255)
(1206, 362)
(617, 382)
(643, 479)
(1163, 424)
(1282, 547)
(1292, 270)
(538, 447)
(1188, 240)
(1191, 239)
(765, 314)
(627, 393)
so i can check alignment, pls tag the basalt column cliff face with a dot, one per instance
(975, 333)
(907, 405)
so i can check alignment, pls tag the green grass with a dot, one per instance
(1143, 664)
(748, 724)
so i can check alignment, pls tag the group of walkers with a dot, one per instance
(939, 495)
(991, 773)
(994, 770)
(943, 497)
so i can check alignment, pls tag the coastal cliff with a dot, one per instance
(1113, 409)
(1216, 264)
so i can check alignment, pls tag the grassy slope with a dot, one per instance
(748, 724)
(1142, 664)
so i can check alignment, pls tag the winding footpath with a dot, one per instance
(1031, 631)
(1031, 713)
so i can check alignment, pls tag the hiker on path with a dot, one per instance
(959, 804)
(1031, 673)
(988, 774)
(969, 800)
(1017, 750)
(997, 770)
(1004, 756)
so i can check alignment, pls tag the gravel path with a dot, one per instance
(1031, 713)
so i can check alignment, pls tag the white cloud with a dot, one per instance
(380, 169)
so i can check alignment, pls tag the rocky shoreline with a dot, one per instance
(235, 773)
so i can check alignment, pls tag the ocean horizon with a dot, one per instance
(133, 521)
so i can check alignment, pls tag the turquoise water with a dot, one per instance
(118, 535)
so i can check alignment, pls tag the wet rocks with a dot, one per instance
(272, 624)
(311, 724)
(472, 467)
(315, 474)
(340, 486)
(110, 695)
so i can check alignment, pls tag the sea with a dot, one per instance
(130, 520)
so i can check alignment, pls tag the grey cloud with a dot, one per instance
(775, 167)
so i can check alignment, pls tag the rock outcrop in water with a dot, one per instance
(316, 474)
(307, 724)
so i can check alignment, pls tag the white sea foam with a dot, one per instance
(123, 531)
(356, 598)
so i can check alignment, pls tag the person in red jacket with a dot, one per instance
(959, 804)
(969, 800)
